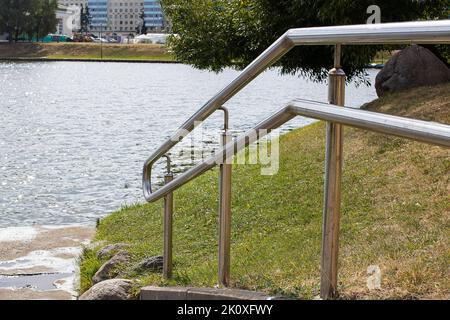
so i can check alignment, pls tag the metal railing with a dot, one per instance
(335, 114)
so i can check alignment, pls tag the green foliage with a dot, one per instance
(85, 19)
(29, 17)
(215, 34)
(89, 264)
(444, 51)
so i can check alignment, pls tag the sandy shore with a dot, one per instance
(40, 262)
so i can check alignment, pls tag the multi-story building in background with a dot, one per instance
(99, 14)
(121, 17)
(125, 16)
(154, 18)
(74, 8)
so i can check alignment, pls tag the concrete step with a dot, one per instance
(189, 293)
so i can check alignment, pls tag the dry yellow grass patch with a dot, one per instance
(408, 236)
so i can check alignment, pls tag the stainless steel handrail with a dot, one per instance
(336, 116)
(419, 130)
(389, 33)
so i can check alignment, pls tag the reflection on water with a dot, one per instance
(74, 136)
(41, 282)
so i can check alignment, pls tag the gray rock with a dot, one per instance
(114, 289)
(109, 269)
(150, 264)
(412, 67)
(96, 244)
(111, 249)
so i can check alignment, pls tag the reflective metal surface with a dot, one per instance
(332, 186)
(225, 205)
(419, 130)
(383, 33)
(168, 232)
(225, 214)
(226, 118)
(404, 32)
(265, 60)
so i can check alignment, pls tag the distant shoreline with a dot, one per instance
(86, 52)
(43, 59)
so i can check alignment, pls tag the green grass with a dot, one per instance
(89, 264)
(395, 214)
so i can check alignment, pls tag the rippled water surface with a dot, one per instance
(74, 136)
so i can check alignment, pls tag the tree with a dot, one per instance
(85, 19)
(43, 18)
(27, 17)
(144, 24)
(215, 34)
(14, 15)
(142, 27)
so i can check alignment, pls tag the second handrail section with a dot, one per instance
(419, 130)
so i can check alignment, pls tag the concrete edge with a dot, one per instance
(190, 293)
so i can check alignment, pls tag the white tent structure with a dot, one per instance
(158, 38)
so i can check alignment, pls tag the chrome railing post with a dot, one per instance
(225, 208)
(168, 221)
(332, 189)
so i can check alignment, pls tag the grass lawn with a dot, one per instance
(395, 214)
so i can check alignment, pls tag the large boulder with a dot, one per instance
(114, 289)
(152, 264)
(412, 67)
(110, 269)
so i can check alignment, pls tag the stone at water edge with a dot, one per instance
(108, 251)
(94, 245)
(109, 269)
(150, 264)
(113, 289)
(412, 67)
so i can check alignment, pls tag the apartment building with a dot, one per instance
(99, 14)
(125, 16)
(153, 15)
(121, 16)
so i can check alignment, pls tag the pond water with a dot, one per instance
(74, 136)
